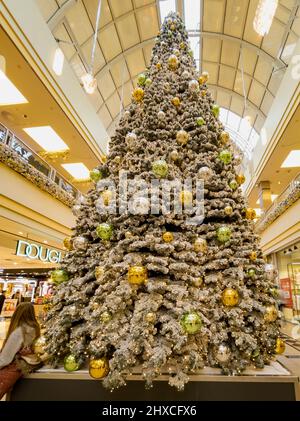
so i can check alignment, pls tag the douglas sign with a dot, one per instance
(35, 252)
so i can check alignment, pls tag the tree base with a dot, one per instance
(271, 383)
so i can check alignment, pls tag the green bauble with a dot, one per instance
(251, 272)
(104, 231)
(160, 168)
(223, 234)
(59, 275)
(191, 322)
(233, 184)
(200, 121)
(141, 79)
(95, 175)
(215, 110)
(191, 54)
(148, 82)
(225, 156)
(70, 363)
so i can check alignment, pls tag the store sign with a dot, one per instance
(286, 288)
(36, 252)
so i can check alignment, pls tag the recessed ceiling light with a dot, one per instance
(78, 170)
(9, 94)
(292, 160)
(20, 232)
(47, 138)
(45, 241)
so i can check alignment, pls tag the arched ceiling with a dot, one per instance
(245, 69)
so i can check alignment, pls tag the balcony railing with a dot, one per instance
(27, 156)
(289, 196)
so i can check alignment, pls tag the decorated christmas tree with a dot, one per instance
(151, 284)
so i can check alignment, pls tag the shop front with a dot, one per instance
(26, 260)
(288, 263)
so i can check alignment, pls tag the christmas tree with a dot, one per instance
(143, 286)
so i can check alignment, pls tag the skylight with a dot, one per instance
(192, 15)
(241, 131)
(194, 42)
(165, 7)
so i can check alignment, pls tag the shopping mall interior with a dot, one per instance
(76, 79)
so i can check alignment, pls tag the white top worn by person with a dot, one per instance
(22, 337)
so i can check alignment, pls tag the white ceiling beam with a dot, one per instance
(59, 15)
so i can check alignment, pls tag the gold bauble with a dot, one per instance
(230, 297)
(182, 45)
(240, 178)
(205, 76)
(104, 158)
(253, 255)
(128, 234)
(158, 66)
(39, 345)
(228, 210)
(201, 80)
(99, 368)
(173, 62)
(250, 213)
(172, 27)
(224, 137)
(95, 306)
(176, 101)
(203, 93)
(106, 197)
(150, 317)
(280, 346)
(137, 275)
(105, 317)
(168, 237)
(197, 282)
(182, 137)
(270, 314)
(138, 94)
(200, 245)
(99, 271)
(68, 244)
(186, 197)
(174, 155)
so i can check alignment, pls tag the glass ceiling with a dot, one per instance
(240, 129)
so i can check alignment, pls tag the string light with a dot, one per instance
(264, 16)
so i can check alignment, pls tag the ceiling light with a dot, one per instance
(264, 16)
(58, 61)
(20, 232)
(292, 160)
(9, 94)
(273, 197)
(89, 83)
(47, 138)
(78, 170)
(45, 241)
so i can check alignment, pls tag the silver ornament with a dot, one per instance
(81, 200)
(185, 74)
(223, 353)
(205, 173)
(126, 114)
(130, 139)
(76, 210)
(139, 206)
(161, 115)
(80, 242)
(193, 86)
(174, 155)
